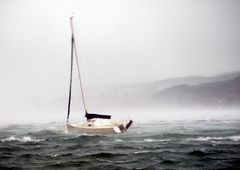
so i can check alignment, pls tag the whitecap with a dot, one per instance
(54, 155)
(118, 140)
(234, 138)
(105, 160)
(156, 140)
(138, 152)
(150, 140)
(22, 139)
(11, 138)
(205, 138)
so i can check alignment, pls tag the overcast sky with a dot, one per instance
(119, 42)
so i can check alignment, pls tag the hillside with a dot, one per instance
(192, 91)
(220, 94)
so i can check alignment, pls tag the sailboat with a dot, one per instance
(95, 123)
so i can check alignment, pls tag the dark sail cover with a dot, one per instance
(93, 115)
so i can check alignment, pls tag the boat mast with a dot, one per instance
(76, 57)
(70, 86)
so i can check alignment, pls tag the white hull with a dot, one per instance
(99, 127)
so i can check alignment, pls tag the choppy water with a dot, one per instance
(206, 144)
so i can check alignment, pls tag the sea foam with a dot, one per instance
(21, 139)
(233, 138)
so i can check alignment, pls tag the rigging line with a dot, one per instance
(79, 74)
(70, 88)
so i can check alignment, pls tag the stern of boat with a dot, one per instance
(122, 126)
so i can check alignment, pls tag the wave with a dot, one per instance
(233, 138)
(29, 155)
(198, 153)
(169, 161)
(139, 152)
(156, 140)
(22, 139)
(104, 155)
(118, 140)
(150, 140)
(62, 155)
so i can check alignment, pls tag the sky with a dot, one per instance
(119, 42)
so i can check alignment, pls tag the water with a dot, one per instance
(205, 144)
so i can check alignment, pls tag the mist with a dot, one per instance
(121, 44)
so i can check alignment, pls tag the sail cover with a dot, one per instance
(93, 115)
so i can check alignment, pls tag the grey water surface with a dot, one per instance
(192, 144)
